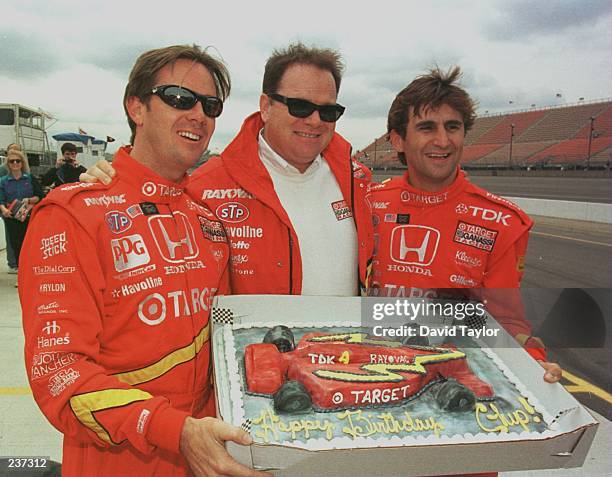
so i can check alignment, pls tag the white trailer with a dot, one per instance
(27, 127)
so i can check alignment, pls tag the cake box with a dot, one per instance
(324, 395)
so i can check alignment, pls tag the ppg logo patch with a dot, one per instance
(117, 222)
(129, 252)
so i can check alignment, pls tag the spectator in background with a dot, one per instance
(4, 167)
(66, 169)
(11, 262)
(18, 184)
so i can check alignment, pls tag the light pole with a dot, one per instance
(511, 140)
(374, 164)
(591, 130)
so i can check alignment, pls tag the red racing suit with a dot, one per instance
(459, 237)
(265, 252)
(116, 286)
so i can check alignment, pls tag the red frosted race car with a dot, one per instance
(329, 372)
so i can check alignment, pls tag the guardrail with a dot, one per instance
(566, 209)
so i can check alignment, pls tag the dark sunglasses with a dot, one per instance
(300, 108)
(180, 97)
(15, 161)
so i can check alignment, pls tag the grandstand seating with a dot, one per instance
(555, 137)
(561, 123)
(481, 126)
(501, 132)
(521, 151)
(603, 157)
(601, 124)
(571, 151)
(477, 151)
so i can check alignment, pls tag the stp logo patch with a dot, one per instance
(414, 244)
(117, 221)
(232, 212)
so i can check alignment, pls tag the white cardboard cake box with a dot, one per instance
(565, 447)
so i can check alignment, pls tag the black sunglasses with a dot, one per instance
(180, 97)
(300, 108)
(15, 161)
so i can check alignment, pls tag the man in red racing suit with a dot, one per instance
(117, 337)
(116, 290)
(264, 246)
(433, 229)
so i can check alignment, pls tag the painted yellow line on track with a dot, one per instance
(573, 239)
(579, 385)
(15, 391)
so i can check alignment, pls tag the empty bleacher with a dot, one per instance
(480, 127)
(572, 151)
(561, 123)
(602, 123)
(521, 152)
(501, 132)
(477, 151)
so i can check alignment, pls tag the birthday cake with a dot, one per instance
(317, 386)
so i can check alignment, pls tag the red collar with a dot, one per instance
(151, 186)
(420, 198)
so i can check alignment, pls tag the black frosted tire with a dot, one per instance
(454, 397)
(292, 398)
(281, 337)
(417, 340)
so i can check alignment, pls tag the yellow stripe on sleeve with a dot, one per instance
(84, 406)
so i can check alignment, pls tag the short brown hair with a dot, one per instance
(144, 73)
(431, 90)
(298, 53)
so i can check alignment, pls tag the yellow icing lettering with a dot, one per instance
(271, 426)
(361, 425)
(267, 420)
(496, 421)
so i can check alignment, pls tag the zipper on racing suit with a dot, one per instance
(360, 286)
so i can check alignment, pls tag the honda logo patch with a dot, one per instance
(414, 244)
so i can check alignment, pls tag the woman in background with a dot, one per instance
(17, 185)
